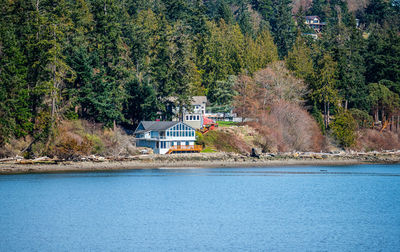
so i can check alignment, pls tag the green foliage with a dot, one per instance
(362, 118)
(282, 26)
(119, 62)
(227, 123)
(343, 128)
(199, 139)
(382, 100)
(208, 150)
(97, 145)
(300, 62)
(222, 141)
(318, 117)
(382, 56)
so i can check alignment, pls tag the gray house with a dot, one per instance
(163, 136)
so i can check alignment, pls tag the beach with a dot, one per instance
(206, 160)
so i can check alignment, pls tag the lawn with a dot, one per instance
(208, 150)
(227, 123)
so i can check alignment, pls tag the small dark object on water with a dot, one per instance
(324, 170)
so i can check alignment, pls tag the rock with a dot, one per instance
(256, 152)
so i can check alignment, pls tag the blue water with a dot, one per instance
(345, 208)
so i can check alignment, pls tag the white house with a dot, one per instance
(194, 118)
(164, 137)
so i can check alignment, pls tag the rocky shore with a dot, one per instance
(203, 160)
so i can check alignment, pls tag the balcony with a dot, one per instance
(185, 149)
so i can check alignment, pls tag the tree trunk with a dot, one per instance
(325, 121)
(328, 114)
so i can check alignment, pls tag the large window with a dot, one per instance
(180, 130)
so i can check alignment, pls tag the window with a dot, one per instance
(187, 118)
(198, 117)
(191, 118)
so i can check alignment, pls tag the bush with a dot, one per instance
(288, 127)
(98, 146)
(370, 140)
(343, 129)
(362, 118)
(199, 139)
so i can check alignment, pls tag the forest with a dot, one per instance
(114, 63)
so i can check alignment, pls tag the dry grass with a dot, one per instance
(370, 139)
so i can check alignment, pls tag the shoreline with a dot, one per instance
(200, 161)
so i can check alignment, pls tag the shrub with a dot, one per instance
(362, 118)
(370, 139)
(288, 127)
(98, 146)
(199, 139)
(343, 129)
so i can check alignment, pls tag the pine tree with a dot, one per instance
(15, 115)
(282, 26)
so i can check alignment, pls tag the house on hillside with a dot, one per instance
(165, 137)
(193, 116)
(314, 22)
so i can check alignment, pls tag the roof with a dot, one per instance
(207, 120)
(312, 17)
(156, 125)
(199, 100)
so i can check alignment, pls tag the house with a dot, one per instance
(194, 115)
(165, 137)
(314, 22)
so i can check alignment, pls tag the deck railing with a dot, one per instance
(185, 148)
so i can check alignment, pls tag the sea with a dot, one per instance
(297, 208)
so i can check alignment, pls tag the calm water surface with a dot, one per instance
(345, 208)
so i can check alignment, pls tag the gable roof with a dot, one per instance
(197, 100)
(312, 17)
(156, 125)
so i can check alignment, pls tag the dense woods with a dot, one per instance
(116, 63)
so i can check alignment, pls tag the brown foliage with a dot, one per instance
(272, 100)
(246, 104)
(288, 127)
(69, 144)
(277, 83)
(370, 139)
(82, 138)
(269, 85)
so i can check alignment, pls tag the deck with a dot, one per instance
(185, 149)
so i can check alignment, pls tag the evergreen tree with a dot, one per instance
(15, 115)
(282, 26)
(382, 56)
(351, 70)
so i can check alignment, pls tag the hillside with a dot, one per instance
(114, 63)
